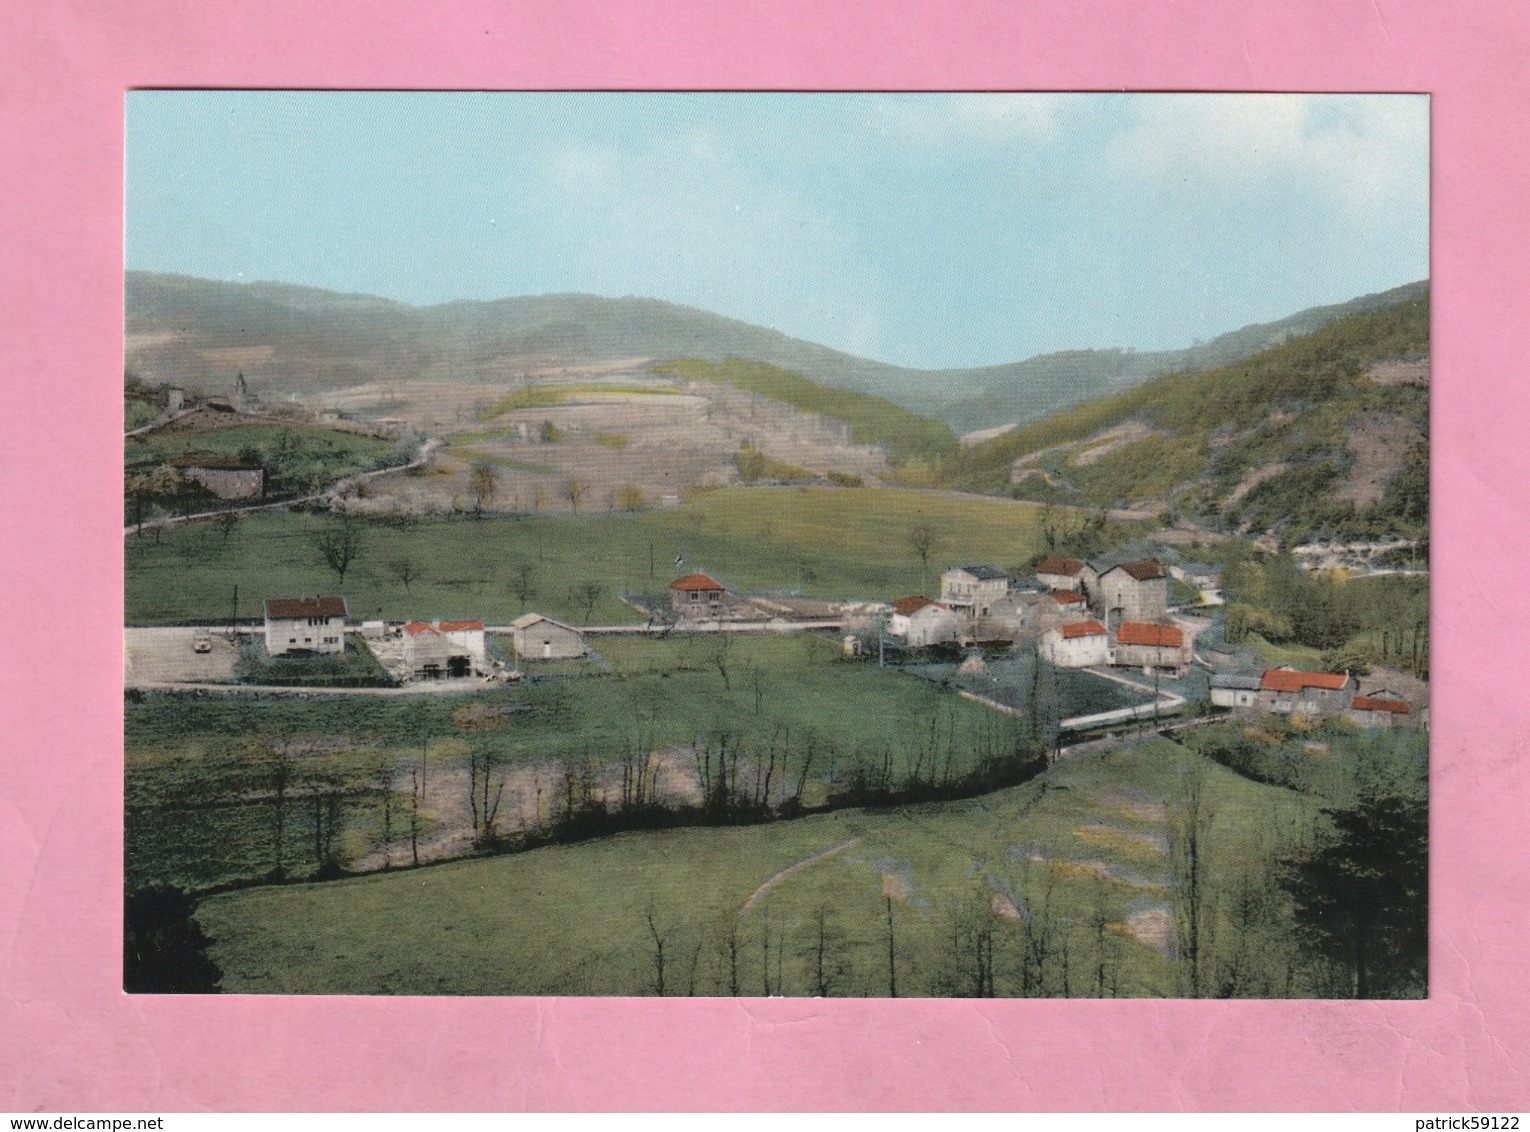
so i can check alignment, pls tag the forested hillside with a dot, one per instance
(1313, 436)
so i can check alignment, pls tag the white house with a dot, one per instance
(1231, 690)
(973, 589)
(918, 622)
(541, 638)
(1081, 644)
(302, 626)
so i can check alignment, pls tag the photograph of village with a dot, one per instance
(776, 545)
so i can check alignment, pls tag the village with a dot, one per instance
(1109, 617)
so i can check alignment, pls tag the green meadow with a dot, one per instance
(199, 768)
(821, 542)
(1064, 886)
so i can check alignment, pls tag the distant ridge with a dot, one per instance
(295, 339)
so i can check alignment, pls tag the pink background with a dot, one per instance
(69, 1040)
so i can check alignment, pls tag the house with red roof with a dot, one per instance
(1059, 573)
(919, 622)
(1380, 708)
(1150, 647)
(1291, 692)
(697, 597)
(305, 626)
(1079, 644)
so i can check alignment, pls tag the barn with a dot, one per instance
(541, 638)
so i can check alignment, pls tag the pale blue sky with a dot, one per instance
(925, 230)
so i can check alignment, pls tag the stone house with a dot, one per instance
(697, 597)
(305, 626)
(1081, 644)
(1380, 708)
(1127, 591)
(1164, 648)
(919, 622)
(973, 589)
(1060, 573)
(1232, 690)
(541, 638)
(1289, 692)
(226, 477)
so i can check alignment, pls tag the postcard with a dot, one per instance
(816, 545)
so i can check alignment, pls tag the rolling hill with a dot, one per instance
(1325, 434)
(290, 339)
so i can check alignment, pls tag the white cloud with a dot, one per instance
(964, 119)
(1363, 152)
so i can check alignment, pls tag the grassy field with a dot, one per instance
(199, 768)
(1067, 882)
(296, 457)
(829, 542)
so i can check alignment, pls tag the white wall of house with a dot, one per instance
(305, 634)
(927, 625)
(1075, 652)
(548, 640)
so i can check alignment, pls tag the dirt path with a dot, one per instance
(792, 870)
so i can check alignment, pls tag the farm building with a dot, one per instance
(1380, 708)
(1070, 601)
(1128, 591)
(1060, 573)
(301, 626)
(973, 589)
(1149, 647)
(227, 477)
(541, 638)
(697, 597)
(1234, 691)
(1289, 692)
(1081, 644)
(918, 621)
(432, 654)
(467, 635)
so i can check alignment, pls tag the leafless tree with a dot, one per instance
(483, 483)
(923, 541)
(660, 943)
(1190, 820)
(227, 521)
(523, 581)
(574, 489)
(406, 570)
(588, 594)
(339, 543)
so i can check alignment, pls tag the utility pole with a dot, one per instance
(233, 614)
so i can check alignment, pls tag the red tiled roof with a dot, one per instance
(1370, 703)
(1142, 571)
(288, 608)
(908, 606)
(1083, 629)
(1066, 597)
(460, 626)
(1141, 633)
(1068, 566)
(1288, 680)
(415, 628)
(695, 582)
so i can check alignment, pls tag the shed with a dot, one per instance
(541, 638)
